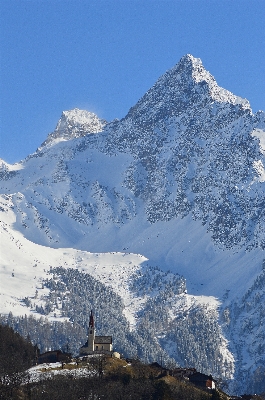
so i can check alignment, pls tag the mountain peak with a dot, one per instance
(193, 68)
(75, 123)
(189, 59)
(188, 85)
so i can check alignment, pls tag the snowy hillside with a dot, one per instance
(178, 184)
(38, 281)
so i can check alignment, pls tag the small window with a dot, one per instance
(90, 332)
(102, 347)
(96, 347)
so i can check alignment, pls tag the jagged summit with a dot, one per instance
(187, 85)
(75, 123)
(194, 69)
(191, 68)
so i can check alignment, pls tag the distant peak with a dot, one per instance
(81, 120)
(75, 123)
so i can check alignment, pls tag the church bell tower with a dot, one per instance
(91, 333)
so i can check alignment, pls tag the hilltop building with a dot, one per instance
(94, 343)
(53, 356)
(202, 380)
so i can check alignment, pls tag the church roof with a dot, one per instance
(103, 339)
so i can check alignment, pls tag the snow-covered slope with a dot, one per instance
(178, 182)
(33, 284)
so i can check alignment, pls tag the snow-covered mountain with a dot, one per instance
(178, 184)
(73, 124)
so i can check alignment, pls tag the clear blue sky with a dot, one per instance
(102, 55)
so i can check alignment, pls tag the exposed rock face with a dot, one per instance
(181, 180)
(75, 123)
(194, 152)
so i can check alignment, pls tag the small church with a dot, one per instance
(94, 343)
